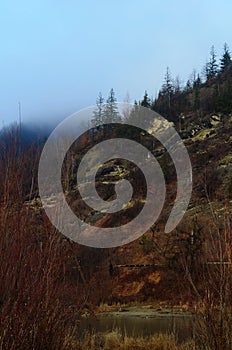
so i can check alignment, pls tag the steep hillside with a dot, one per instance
(155, 266)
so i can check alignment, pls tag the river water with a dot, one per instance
(140, 323)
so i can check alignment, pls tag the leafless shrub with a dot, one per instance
(213, 289)
(34, 310)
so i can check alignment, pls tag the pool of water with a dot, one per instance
(140, 324)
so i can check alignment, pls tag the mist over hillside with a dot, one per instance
(27, 134)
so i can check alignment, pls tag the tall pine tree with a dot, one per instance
(146, 102)
(226, 58)
(98, 113)
(110, 113)
(167, 88)
(212, 64)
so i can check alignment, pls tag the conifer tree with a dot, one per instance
(146, 102)
(167, 88)
(98, 113)
(197, 83)
(212, 64)
(196, 89)
(188, 86)
(110, 113)
(226, 58)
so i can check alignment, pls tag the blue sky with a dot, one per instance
(57, 55)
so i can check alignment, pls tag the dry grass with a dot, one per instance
(114, 340)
